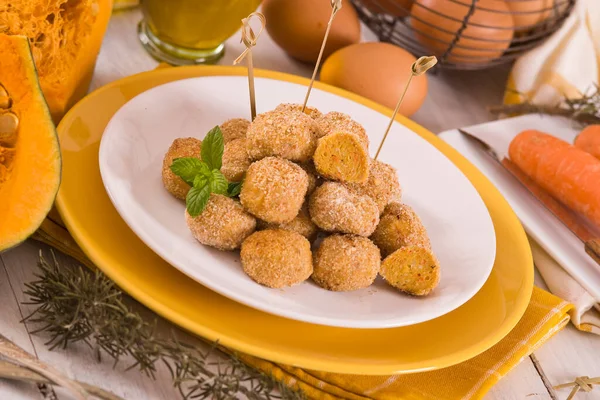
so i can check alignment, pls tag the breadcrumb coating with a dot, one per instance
(274, 190)
(277, 258)
(412, 269)
(399, 226)
(223, 223)
(302, 224)
(182, 147)
(287, 134)
(382, 185)
(339, 122)
(235, 160)
(310, 111)
(346, 262)
(334, 208)
(233, 129)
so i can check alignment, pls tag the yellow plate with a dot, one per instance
(116, 250)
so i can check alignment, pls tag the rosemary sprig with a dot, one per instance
(584, 110)
(75, 305)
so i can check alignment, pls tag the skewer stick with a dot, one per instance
(249, 39)
(336, 5)
(419, 67)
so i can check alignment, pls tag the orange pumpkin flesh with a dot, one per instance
(29, 179)
(65, 38)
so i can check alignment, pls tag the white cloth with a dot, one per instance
(567, 64)
(586, 313)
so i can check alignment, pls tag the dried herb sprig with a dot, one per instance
(584, 110)
(76, 305)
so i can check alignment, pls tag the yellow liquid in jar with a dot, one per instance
(196, 24)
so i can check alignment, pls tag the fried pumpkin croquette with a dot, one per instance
(346, 262)
(235, 160)
(302, 224)
(274, 190)
(233, 129)
(287, 134)
(334, 208)
(412, 269)
(339, 122)
(277, 258)
(342, 157)
(382, 185)
(182, 147)
(313, 178)
(399, 226)
(310, 111)
(223, 224)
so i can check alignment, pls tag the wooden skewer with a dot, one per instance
(419, 67)
(249, 39)
(336, 5)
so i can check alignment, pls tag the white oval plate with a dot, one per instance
(139, 134)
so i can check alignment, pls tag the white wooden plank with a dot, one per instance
(520, 383)
(10, 327)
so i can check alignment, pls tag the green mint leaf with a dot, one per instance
(196, 200)
(200, 180)
(234, 189)
(187, 168)
(212, 148)
(218, 182)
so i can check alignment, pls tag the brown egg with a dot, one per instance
(530, 12)
(396, 8)
(377, 71)
(298, 26)
(477, 44)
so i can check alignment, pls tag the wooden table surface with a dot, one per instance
(455, 99)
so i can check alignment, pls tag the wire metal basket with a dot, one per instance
(465, 34)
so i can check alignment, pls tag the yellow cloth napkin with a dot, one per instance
(545, 315)
(567, 64)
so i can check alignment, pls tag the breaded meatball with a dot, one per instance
(412, 269)
(313, 177)
(274, 190)
(382, 185)
(223, 223)
(346, 262)
(286, 134)
(234, 129)
(302, 224)
(182, 147)
(339, 122)
(277, 258)
(310, 111)
(342, 157)
(334, 208)
(399, 226)
(235, 160)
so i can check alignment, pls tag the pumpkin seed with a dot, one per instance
(4, 98)
(9, 123)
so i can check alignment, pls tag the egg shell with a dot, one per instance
(395, 8)
(298, 26)
(377, 71)
(530, 12)
(486, 37)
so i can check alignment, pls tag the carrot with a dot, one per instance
(588, 140)
(569, 174)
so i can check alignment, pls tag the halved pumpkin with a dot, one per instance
(29, 152)
(65, 38)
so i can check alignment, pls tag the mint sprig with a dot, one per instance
(204, 174)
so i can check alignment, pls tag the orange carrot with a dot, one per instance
(588, 140)
(570, 174)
